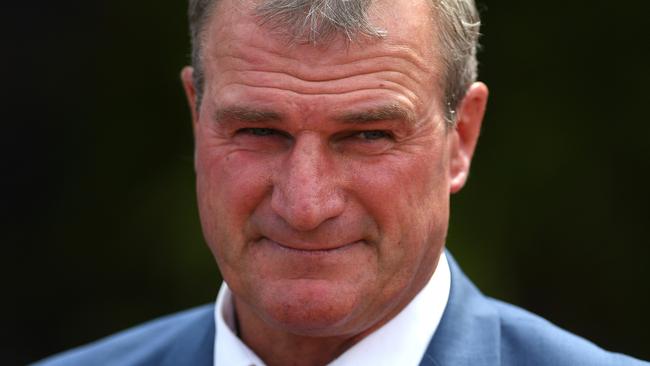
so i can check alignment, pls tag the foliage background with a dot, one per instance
(99, 224)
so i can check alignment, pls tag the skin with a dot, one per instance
(324, 174)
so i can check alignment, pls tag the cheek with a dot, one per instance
(229, 188)
(415, 186)
(409, 200)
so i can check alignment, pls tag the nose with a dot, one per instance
(306, 190)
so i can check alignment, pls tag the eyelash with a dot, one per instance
(258, 131)
(374, 135)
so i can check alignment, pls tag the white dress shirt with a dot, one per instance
(401, 341)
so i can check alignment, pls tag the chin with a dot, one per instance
(314, 308)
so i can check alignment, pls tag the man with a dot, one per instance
(329, 138)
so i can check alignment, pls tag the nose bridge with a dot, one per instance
(306, 190)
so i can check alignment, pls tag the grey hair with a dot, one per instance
(458, 32)
(318, 20)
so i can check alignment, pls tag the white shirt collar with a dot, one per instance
(401, 341)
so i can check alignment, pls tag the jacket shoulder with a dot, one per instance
(527, 339)
(152, 343)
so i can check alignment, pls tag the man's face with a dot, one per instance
(324, 173)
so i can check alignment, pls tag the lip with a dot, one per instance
(311, 248)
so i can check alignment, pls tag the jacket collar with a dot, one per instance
(195, 345)
(469, 332)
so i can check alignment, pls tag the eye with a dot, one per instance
(374, 135)
(369, 142)
(259, 131)
(261, 139)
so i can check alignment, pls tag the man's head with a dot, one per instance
(324, 169)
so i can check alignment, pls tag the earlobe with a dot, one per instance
(469, 118)
(187, 78)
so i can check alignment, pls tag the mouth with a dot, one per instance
(311, 248)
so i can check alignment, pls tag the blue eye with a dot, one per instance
(373, 135)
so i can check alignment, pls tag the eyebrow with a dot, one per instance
(244, 114)
(377, 114)
(382, 113)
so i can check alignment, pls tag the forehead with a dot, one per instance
(409, 25)
(247, 59)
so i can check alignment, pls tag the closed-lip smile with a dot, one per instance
(310, 248)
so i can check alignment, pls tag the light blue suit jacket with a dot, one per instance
(475, 331)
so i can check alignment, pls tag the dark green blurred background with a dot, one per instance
(100, 229)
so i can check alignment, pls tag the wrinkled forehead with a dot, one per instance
(408, 24)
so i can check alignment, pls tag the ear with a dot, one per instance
(187, 78)
(469, 117)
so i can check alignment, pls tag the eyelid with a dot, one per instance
(255, 129)
(261, 131)
(383, 133)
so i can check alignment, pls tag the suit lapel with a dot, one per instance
(469, 332)
(195, 345)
